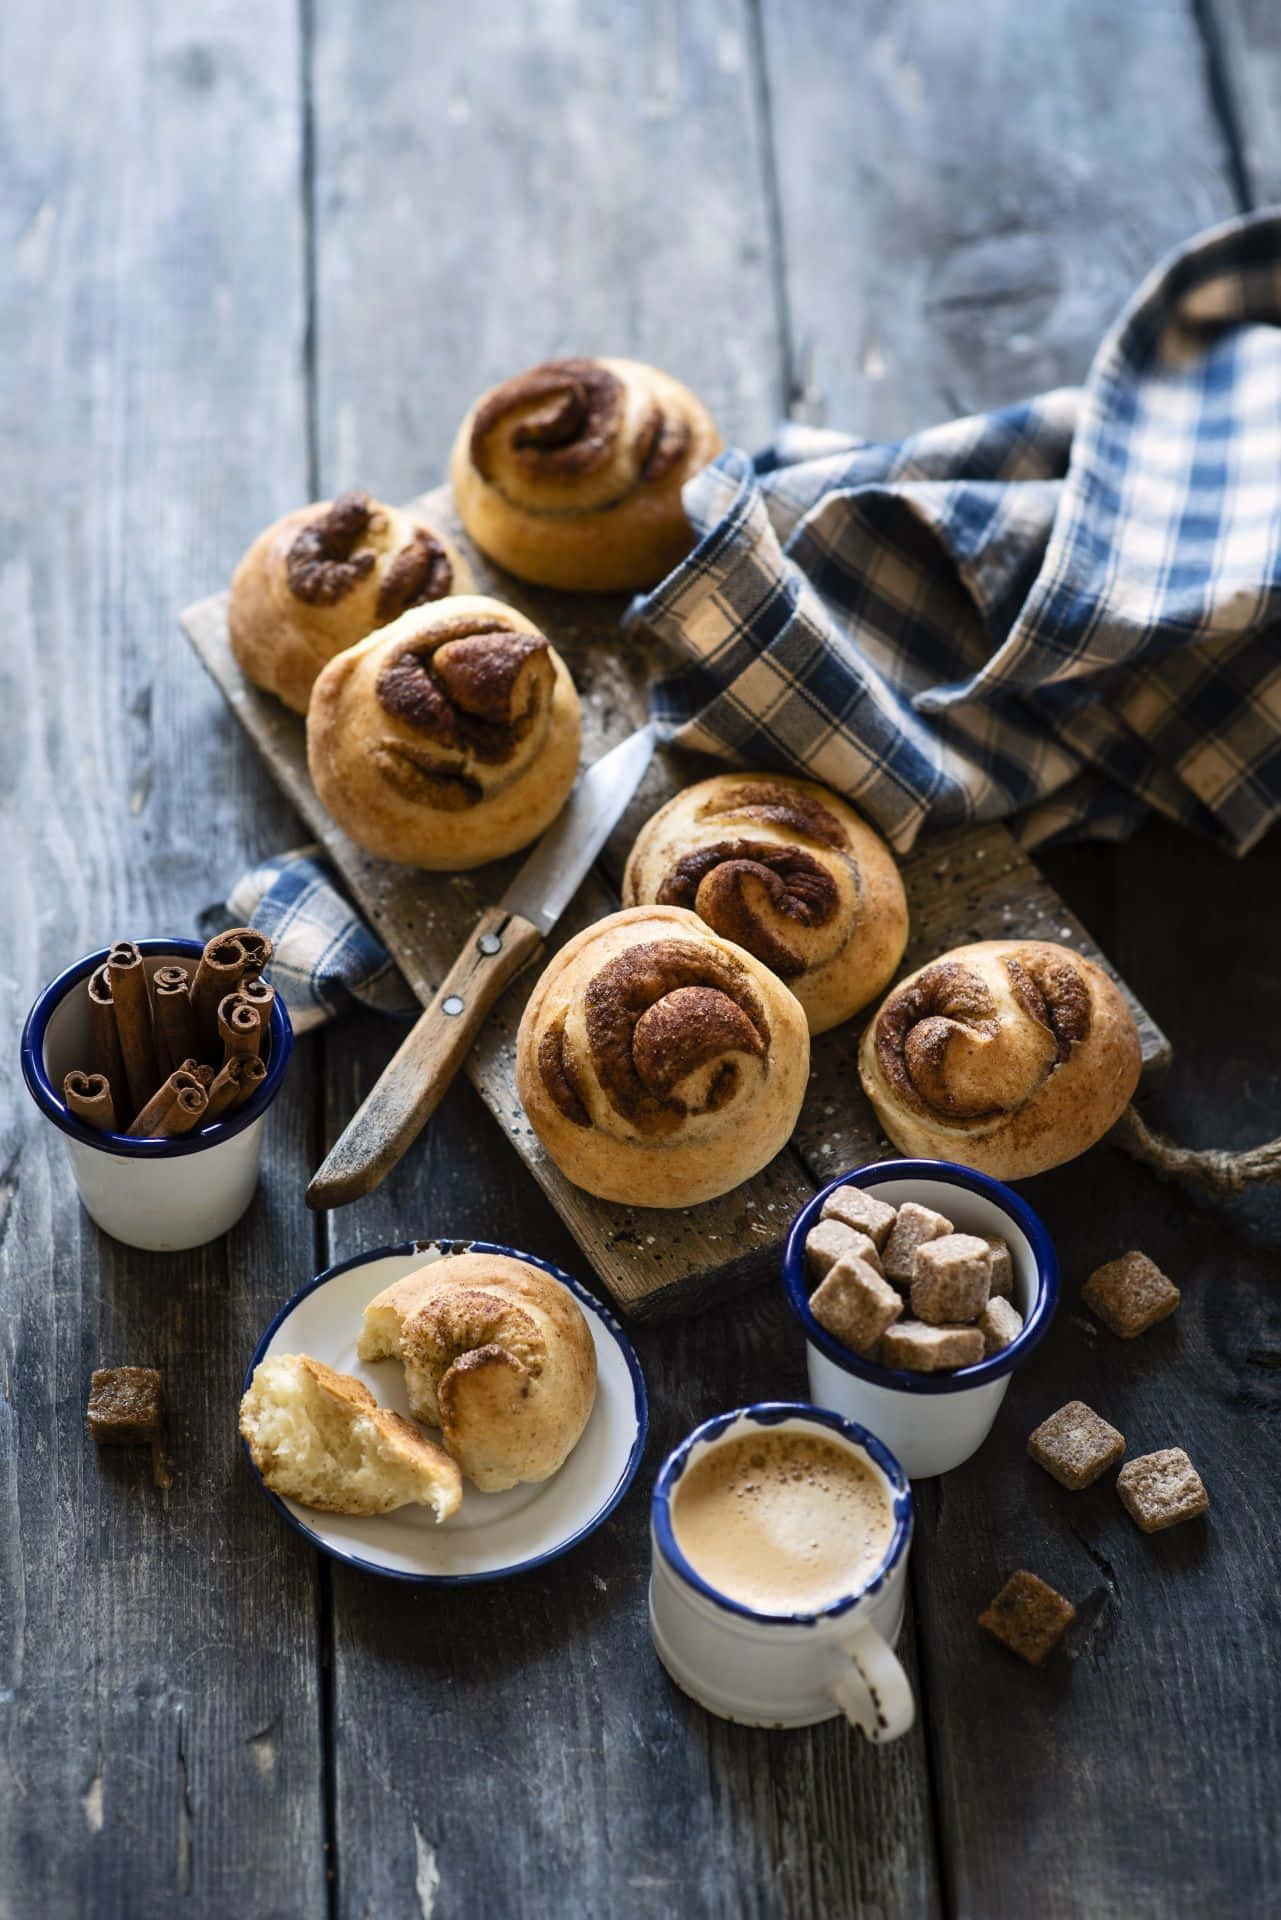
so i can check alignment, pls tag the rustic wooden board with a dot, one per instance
(161, 1746)
(969, 885)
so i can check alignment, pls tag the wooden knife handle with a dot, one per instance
(411, 1085)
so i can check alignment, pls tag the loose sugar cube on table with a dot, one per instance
(1001, 1279)
(925, 1349)
(829, 1240)
(950, 1279)
(825, 1243)
(1075, 1445)
(999, 1323)
(1159, 1489)
(1028, 1616)
(1130, 1295)
(856, 1207)
(913, 1227)
(126, 1406)
(855, 1304)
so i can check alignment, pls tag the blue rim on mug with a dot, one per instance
(49, 1099)
(1035, 1326)
(774, 1413)
(640, 1398)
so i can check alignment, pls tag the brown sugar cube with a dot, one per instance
(126, 1406)
(1159, 1489)
(913, 1226)
(949, 1279)
(825, 1243)
(1130, 1295)
(1075, 1445)
(999, 1323)
(925, 1349)
(1028, 1617)
(855, 1304)
(1000, 1283)
(856, 1207)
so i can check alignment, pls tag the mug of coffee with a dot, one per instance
(779, 1538)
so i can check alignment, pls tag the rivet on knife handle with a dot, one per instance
(411, 1085)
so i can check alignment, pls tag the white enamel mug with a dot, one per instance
(932, 1421)
(784, 1670)
(161, 1195)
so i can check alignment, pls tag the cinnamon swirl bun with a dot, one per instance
(787, 870)
(658, 1063)
(570, 474)
(324, 577)
(449, 738)
(1010, 1056)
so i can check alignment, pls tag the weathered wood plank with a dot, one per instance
(1243, 51)
(596, 175)
(159, 1732)
(1133, 1776)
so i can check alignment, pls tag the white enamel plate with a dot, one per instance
(492, 1534)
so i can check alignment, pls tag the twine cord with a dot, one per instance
(1213, 1167)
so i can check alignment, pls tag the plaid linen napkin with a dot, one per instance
(1066, 610)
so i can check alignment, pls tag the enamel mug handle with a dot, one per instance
(871, 1688)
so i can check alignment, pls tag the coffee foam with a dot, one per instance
(783, 1521)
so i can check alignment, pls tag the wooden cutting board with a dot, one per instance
(975, 884)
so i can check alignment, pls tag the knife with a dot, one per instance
(504, 939)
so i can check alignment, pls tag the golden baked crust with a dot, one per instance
(324, 577)
(570, 474)
(448, 738)
(787, 870)
(1009, 1056)
(319, 1437)
(658, 1063)
(497, 1354)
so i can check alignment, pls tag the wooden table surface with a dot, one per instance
(258, 250)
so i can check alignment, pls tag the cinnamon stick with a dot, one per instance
(105, 1057)
(221, 969)
(176, 1107)
(175, 1026)
(258, 949)
(259, 994)
(239, 1026)
(132, 1002)
(89, 1097)
(236, 1081)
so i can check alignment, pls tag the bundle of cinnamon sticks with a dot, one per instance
(179, 1049)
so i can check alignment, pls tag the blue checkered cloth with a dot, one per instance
(1066, 610)
(325, 956)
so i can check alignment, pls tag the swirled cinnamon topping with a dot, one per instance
(917, 1024)
(554, 1069)
(324, 561)
(798, 886)
(781, 806)
(476, 690)
(418, 573)
(669, 445)
(432, 783)
(675, 1041)
(570, 434)
(1052, 992)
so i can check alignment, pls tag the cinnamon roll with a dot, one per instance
(658, 1063)
(447, 739)
(1009, 1056)
(570, 474)
(324, 577)
(787, 870)
(497, 1354)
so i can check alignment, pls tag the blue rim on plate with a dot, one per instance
(587, 1300)
(50, 1101)
(1035, 1326)
(773, 1413)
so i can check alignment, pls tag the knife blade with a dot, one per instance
(504, 939)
